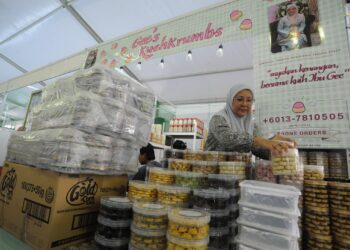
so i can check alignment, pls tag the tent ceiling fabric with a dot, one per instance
(34, 33)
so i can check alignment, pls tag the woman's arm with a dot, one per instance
(282, 29)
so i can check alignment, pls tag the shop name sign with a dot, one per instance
(156, 41)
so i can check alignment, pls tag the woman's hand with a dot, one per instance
(279, 137)
(280, 147)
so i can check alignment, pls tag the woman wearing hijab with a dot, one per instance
(231, 129)
(291, 29)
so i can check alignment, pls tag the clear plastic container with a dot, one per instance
(189, 224)
(233, 226)
(239, 157)
(114, 244)
(147, 239)
(264, 240)
(315, 241)
(272, 222)
(150, 216)
(179, 165)
(337, 164)
(174, 195)
(234, 212)
(313, 172)
(182, 244)
(219, 238)
(286, 163)
(295, 180)
(174, 153)
(339, 196)
(205, 167)
(194, 155)
(223, 181)
(116, 208)
(161, 176)
(219, 218)
(244, 247)
(213, 156)
(111, 229)
(142, 191)
(211, 199)
(230, 167)
(189, 179)
(315, 194)
(263, 171)
(234, 195)
(270, 197)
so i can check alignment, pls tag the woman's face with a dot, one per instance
(292, 11)
(242, 103)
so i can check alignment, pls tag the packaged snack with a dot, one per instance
(161, 176)
(319, 158)
(150, 216)
(211, 199)
(239, 157)
(337, 164)
(116, 208)
(205, 167)
(263, 171)
(174, 195)
(286, 163)
(315, 194)
(111, 229)
(194, 155)
(219, 238)
(313, 172)
(179, 165)
(234, 168)
(189, 179)
(182, 244)
(316, 241)
(219, 218)
(223, 181)
(190, 224)
(339, 196)
(114, 244)
(214, 156)
(142, 191)
(147, 239)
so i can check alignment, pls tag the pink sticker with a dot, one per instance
(246, 24)
(235, 15)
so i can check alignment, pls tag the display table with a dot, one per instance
(7, 241)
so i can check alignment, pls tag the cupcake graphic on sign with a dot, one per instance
(298, 107)
(235, 15)
(246, 24)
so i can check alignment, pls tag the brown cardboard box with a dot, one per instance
(50, 210)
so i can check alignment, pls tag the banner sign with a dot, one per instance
(301, 67)
(221, 23)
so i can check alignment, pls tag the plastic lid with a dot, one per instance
(189, 174)
(219, 231)
(110, 242)
(268, 187)
(339, 185)
(187, 243)
(112, 223)
(234, 164)
(116, 202)
(152, 209)
(173, 189)
(234, 192)
(314, 168)
(147, 233)
(211, 193)
(179, 160)
(141, 185)
(219, 213)
(200, 163)
(189, 216)
(132, 247)
(222, 177)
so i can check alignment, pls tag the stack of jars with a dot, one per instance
(339, 194)
(188, 229)
(317, 215)
(149, 225)
(114, 219)
(319, 158)
(337, 164)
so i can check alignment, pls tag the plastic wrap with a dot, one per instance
(270, 197)
(272, 222)
(286, 163)
(105, 83)
(265, 240)
(63, 150)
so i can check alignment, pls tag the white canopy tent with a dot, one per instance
(41, 39)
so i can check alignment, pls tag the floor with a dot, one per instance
(8, 242)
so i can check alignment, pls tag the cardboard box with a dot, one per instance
(50, 210)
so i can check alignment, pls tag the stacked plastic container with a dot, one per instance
(92, 122)
(319, 158)
(114, 219)
(188, 229)
(149, 226)
(337, 164)
(339, 195)
(263, 171)
(268, 217)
